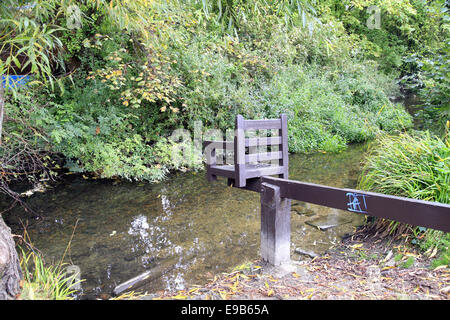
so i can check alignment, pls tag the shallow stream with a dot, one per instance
(185, 228)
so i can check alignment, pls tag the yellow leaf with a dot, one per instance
(223, 295)
(387, 268)
(357, 246)
(270, 293)
(266, 284)
(440, 267)
(193, 290)
(434, 252)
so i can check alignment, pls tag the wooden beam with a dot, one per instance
(262, 141)
(266, 124)
(263, 156)
(428, 214)
(239, 152)
(275, 225)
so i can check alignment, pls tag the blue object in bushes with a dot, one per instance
(15, 80)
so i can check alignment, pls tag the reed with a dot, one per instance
(414, 165)
(43, 282)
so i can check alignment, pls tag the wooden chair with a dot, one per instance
(249, 165)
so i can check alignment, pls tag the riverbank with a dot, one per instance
(361, 267)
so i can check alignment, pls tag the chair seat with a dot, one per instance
(251, 170)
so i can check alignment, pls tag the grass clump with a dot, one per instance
(44, 282)
(414, 165)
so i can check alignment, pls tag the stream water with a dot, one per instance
(186, 228)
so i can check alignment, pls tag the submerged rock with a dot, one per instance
(325, 223)
(306, 253)
(303, 212)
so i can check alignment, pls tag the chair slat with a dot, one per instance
(219, 144)
(263, 156)
(262, 124)
(264, 171)
(262, 141)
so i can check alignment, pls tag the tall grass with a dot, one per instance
(415, 165)
(43, 282)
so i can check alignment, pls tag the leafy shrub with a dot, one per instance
(133, 83)
(415, 166)
(320, 107)
(410, 165)
(434, 92)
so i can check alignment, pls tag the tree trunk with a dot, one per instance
(10, 272)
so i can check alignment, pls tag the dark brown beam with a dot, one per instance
(275, 225)
(428, 214)
(266, 124)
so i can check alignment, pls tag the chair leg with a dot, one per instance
(240, 175)
(210, 177)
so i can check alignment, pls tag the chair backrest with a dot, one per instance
(278, 145)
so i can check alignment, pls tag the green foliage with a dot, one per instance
(411, 42)
(415, 166)
(43, 282)
(406, 27)
(28, 36)
(232, 15)
(436, 241)
(141, 69)
(26, 152)
(432, 85)
(328, 110)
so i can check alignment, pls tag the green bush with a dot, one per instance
(133, 84)
(410, 165)
(319, 107)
